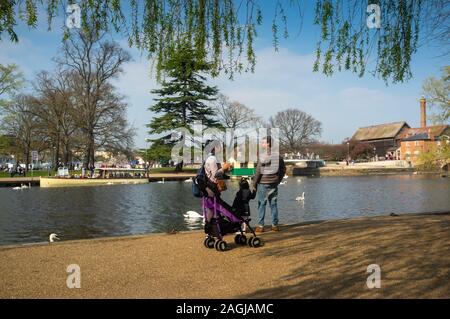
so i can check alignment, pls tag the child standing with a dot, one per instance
(241, 204)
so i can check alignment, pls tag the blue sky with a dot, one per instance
(281, 80)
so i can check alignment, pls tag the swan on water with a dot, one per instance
(53, 237)
(301, 198)
(192, 214)
(189, 180)
(22, 186)
(161, 182)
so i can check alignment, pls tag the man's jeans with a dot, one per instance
(267, 192)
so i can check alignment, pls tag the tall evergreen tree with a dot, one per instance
(183, 94)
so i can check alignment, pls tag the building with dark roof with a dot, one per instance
(384, 138)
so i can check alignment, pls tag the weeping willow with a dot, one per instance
(224, 31)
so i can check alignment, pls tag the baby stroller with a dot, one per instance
(224, 220)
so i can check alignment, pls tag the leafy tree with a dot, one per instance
(4, 144)
(159, 152)
(226, 29)
(183, 96)
(437, 92)
(435, 157)
(11, 79)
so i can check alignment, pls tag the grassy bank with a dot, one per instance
(314, 260)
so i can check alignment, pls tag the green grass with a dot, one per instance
(35, 174)
(170, 170)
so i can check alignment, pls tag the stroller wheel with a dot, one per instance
(240, 239)
(208, 242)
(255, 242)
(220, 245)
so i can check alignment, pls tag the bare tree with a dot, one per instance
(234, 114)
(54, 105)
(23, 126)
(93, 62)
(296, 129)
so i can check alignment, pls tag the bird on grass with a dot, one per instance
(53, 237)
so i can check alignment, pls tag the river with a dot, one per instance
(30, 215)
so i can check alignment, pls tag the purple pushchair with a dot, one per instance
(221, 219)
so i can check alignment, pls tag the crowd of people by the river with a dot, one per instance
(13, 170)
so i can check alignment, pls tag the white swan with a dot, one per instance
(22, 186)
(161, 182)
(192, 214)
(301, 198)
(189, 180)
(53, 237)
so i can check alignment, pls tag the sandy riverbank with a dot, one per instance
(323, 259)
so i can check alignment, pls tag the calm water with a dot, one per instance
(87, 212)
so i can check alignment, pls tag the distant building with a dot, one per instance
(385, 138)
(419, 140)
(400, 140)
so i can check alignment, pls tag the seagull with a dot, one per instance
(192, 214)
(301, 198)
(53, 237)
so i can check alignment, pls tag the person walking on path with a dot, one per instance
(270, 171)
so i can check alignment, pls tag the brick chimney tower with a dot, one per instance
(423, 112)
